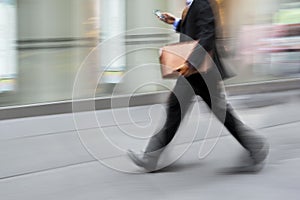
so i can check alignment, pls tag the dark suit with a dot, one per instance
(199, 24)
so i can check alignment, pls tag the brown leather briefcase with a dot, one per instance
(173, 57)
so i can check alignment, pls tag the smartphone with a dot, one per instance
(158, 14)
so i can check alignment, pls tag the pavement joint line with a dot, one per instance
(45, 170)
(70, 131)
(279, 124)
(123, 124)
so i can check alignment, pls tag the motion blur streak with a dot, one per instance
(45, 43)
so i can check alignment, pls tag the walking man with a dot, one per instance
(198, 23)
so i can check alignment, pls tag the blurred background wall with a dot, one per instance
(52, 39)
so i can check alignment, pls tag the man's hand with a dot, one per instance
(168, 18)
(185, 70)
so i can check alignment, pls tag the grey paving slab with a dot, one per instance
(271, 115)
(27, 127)
(28, 155)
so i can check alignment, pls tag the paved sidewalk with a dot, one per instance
(44, 157)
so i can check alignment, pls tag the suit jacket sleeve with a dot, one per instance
(204, 26)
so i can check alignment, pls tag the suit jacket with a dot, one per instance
(199, 24)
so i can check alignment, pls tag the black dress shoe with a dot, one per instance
(147, 161)
(260, 155)
(244, 169)
(258, 158)
(254, 161)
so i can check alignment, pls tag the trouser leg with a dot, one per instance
(177, 106)
(209, 88)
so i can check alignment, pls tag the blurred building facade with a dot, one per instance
(50, 40)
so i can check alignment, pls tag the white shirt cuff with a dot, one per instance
(176, 23)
